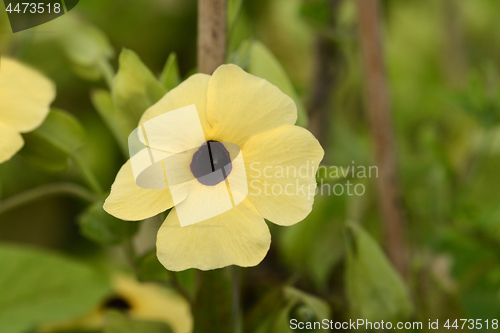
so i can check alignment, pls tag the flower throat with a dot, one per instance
(211, 163)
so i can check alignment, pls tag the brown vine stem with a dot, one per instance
(455, 62)
(326, 72)
(211, 35)
(382, 131)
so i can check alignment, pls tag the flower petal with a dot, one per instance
(128, 201)
(151, 301)
(174, 131)
(241, 105)
(10, 142)
(281, 166)
(25, 96)
(237, 237)
(202, 203)
(191, 91)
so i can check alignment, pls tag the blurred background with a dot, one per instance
(442, 67)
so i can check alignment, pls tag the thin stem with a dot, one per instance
(128, 247)
(211, 35)
(236, 291)
(44, 191)
(1, 180)
(88, 175)
(328, 57)
(454, 59)
(382, 131)
(177, 286)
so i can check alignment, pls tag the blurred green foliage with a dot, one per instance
(32, 294)
(443, 66)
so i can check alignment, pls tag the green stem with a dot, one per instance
(236, 286)
(1, 180)
(128, 247)
(45, 191)
(88, 175)
(180, 289)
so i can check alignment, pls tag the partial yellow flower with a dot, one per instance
(141, 301)
(25, 98)
(280, 162)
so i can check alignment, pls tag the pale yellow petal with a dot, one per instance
(239, 236)
(191, 91)
(128, 201)
(281, 165)
(10, 142)
(203, 202)
(149, 301)
(25, 96)
(174, 131)
(241, 105)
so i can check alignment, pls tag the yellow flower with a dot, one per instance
(280, 162)
(25, 97)
(140, 301)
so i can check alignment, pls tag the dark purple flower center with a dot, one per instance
(211, 163)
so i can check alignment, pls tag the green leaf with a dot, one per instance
(212, 308)
(51, 144)
(171, 76)
(303, 307)
(316, 246)
(43, 154)
(375, 290)
(241, 56)
(233, 11)
(40, 287)
(274, 311)
(85, 46)
(103, 228)
(63, 130)
(117, 322)
(103, 103)
(319, 308)
(259, 61)
(281, 323)
(135, 89)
